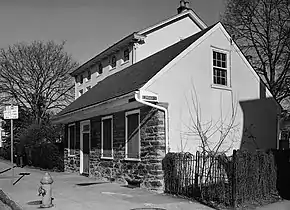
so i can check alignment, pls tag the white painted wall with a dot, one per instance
(166, 36)
(175, 86)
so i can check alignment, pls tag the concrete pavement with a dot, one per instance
(282, 205)
(75, 192)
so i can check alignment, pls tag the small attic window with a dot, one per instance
(81, 79)
(113, 61)
(126, 55)
(100, 68)
(89, 75)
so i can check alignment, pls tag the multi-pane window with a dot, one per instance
(220, 68)
(113, 61)
(126, 55)
(107, 137)
(100, 69)
(89, 75)
(133, 135)
(71, 139)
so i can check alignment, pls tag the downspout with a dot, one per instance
(165, 120)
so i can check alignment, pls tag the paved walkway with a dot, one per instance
(72, 191)
(282, 205)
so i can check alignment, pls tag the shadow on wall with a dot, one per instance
(260, 124)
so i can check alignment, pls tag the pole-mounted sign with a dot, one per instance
(10, 113)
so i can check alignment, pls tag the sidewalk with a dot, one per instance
(75, 192)
(282, 205)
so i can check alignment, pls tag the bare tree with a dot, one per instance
(215, 136)
(261, 28)
(36, 77)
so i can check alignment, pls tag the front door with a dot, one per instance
(85, 148)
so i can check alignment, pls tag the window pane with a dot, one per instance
(133, 136)
(214, 62)
(107, 138)
(86, 127)
(218, 63)
(218, 56)
(81, 79)
(214, 55)
(100, 68)
(126, 55)
(223, 57)
(114, 62)
(89, 75)
(224, 64)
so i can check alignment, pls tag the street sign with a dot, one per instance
(11, 112)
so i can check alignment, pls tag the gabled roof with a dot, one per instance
(139, 36)
(133, 77)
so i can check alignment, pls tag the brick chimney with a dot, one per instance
(184, 6)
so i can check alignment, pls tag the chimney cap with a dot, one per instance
(183, 6)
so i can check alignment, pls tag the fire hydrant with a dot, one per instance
(45, 191)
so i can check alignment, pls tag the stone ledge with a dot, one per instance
(6, 200)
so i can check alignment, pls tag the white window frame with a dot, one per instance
(137, 111)
(68, 136)
(228, 68)
(102, 137)
(126, 61)
(82, 123)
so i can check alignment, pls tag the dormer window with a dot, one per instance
(113, 61)
(81, 79)
(89, 75)
(126, 55)
(100, 69)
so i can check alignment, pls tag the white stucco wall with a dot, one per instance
(166, 36)
(194, 70)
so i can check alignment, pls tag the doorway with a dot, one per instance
(85, 147)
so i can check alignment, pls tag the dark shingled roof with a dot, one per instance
(133, 77)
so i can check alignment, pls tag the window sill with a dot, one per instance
(132, 159)
(71, 155)
(107, 158)
(125, 62)
(221, 87)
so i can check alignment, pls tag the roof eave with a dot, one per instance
(133, 38)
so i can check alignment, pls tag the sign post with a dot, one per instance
(11, 112)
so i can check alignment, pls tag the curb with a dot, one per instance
(6, 200)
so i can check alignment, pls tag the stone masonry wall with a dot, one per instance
(148, 171)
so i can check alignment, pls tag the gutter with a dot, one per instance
(165, 120)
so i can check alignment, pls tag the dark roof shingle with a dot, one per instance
(133, 77)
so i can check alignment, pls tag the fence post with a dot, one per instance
(234, 184)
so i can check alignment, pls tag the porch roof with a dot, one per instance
(132, 78)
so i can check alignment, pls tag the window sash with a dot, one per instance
(126, 55)
(71, 139)
(114, 62)
(107, 137)
(100, 68)
(220, 74)
(133, 136)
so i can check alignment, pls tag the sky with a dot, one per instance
(89, 26)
